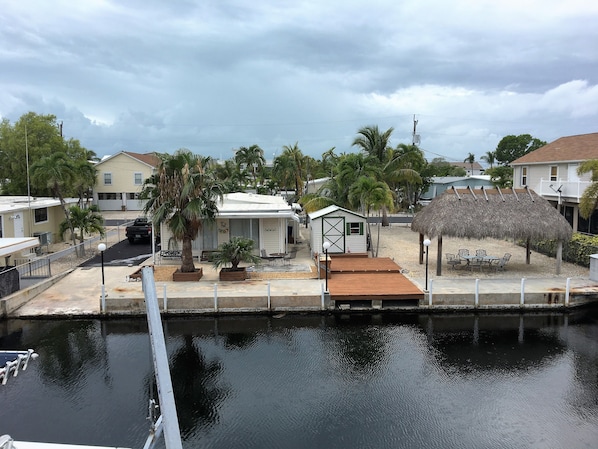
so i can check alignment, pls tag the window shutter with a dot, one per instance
(361, 228)
(348, 229)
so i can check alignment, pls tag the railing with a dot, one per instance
(571, 191)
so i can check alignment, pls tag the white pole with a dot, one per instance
(165, 299)
(567, 291)
(522, 300)
(477, 292)
(322, 295)
(269, 300)
(430, 293)
(215, 297)
(103, 299)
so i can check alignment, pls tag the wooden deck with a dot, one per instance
(369, 279)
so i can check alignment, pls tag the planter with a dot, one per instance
(192, 276)
(228, 274)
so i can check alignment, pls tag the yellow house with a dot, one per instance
(120, 180)
(21, 216)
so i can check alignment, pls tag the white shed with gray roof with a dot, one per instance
(344, 229)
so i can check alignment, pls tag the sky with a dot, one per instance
(216, 75)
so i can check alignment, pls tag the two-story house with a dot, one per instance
(551, 171)
(120, 180)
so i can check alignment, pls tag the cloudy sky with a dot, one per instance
(214, 75)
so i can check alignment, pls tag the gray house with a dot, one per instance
(442, 183)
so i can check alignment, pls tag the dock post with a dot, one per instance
(215, 297)
(269, 299)
(103, 302)
(522, 300)
(430, 293)
(567, 292)
(477, 293)
(165, 299)
(322, 296)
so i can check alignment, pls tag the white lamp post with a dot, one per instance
(326, 245)
(101, 249)
(427, 245)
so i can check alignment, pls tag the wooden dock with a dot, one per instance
(377, 281)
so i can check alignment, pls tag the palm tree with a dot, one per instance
(402, 171)
(87, 221)
(470, 159)
(589, 198)
(489, 158)
(56, 173)
(373, 142)
(297, 163)
(252, 159)
(371, 194)
(85, 179)
(183, 193)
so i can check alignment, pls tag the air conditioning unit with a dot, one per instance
(45, 238)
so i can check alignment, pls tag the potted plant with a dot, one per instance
(233, 252)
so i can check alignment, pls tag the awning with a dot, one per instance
(14, 245)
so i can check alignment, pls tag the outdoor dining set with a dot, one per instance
(478, 261)
(285, 258)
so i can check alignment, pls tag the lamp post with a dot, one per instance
(427, 245)
(101, 249)
(326, 245)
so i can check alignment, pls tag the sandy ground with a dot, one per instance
(402, 244)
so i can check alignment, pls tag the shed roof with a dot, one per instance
(330, 209)
(491, 212)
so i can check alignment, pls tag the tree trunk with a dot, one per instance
(187, 265)
(385, 221)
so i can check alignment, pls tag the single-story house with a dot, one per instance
(120, 180)
(441, 183)
(268, 220)
(344, 229)
(22, 216)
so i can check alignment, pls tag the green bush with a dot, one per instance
(577, 250)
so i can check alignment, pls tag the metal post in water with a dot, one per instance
(170, 424)
(522, 300)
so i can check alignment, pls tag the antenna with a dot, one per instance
(416, 139)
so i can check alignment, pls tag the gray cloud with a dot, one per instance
(215, 75)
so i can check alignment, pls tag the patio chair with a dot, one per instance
(476, 262)
(288, 257)
(463, 252)
(264, 256)
(452, 260)
(480, 252)
(500, 264)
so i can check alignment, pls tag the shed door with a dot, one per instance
(333, 230)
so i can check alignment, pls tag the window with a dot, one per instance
(132, 196)
(138, 179)
(109, 196)
(107, 179)
(355, 228)
(554, 171)
(1, 226)
(41, 215)
(523, 176)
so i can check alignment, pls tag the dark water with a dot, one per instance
(503, 381)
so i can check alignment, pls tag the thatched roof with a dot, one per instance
(491, 212)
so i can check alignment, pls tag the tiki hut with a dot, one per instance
(491, 212)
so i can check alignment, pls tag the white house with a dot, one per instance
(551, 171)
(344, 229)
(268, 220)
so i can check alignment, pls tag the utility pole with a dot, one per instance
(415, 140)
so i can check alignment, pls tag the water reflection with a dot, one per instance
(350, 381)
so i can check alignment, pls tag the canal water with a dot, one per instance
(370, 381)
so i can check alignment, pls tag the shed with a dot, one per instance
(344, 229)
(491, 212)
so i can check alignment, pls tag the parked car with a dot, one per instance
(141, 229)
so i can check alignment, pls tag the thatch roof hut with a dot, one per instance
(491, 212)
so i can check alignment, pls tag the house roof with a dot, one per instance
(9, 204)
(453, 179)
(330, 209)
(491, 212)
(251, 205)
(14, 245)
(467, 165)
(149, 159)
(566, 149)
